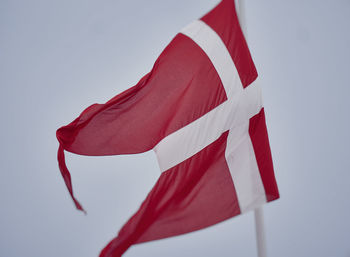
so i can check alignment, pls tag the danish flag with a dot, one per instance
(200, 110)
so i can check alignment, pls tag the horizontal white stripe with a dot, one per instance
(189, 140)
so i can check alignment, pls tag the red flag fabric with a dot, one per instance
(200, 110)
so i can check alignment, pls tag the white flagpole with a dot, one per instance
(258, 212)
(260, 232)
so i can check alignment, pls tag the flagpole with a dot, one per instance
(260, 232)
(258, 212)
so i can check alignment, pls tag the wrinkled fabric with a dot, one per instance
(182, 87)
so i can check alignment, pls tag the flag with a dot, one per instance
(200, 110)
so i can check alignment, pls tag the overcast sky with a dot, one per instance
(58, 57)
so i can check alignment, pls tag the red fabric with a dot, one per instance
(66, 176)
(223, 19)
(182, 86)
(260, 141)
(195, 194)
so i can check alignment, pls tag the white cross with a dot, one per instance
(233, 115)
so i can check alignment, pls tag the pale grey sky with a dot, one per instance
(58, 57)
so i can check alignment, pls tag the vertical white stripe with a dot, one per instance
(215, 49)
(244, 170)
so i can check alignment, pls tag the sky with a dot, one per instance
(58, 57)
